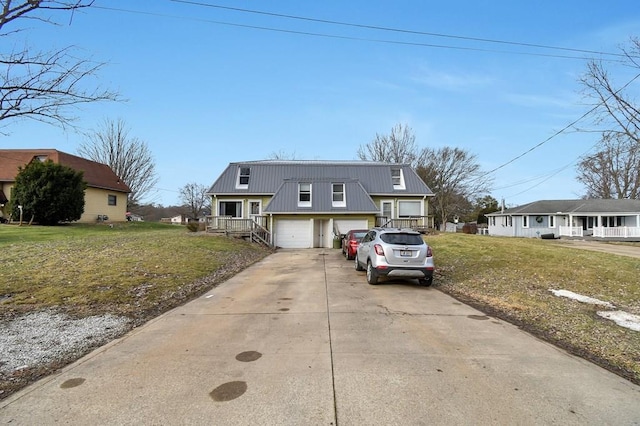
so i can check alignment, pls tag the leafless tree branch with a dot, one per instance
(45, 86)
(129, 157)
(455, 177)
(397, 147)
(195, 199)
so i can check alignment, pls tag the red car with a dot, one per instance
(350, 242)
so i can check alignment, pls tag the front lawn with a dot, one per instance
(511, 278)
(133, 269)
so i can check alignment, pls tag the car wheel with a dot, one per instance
(372, 275)
(426, 281)
(358, 266)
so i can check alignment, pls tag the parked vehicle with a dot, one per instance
(350, 242)
(395, 253)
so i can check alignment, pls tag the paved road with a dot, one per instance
(301, 339)
(620, 249)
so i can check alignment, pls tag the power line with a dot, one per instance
(397, 30)
(351, 38)
(559, 132)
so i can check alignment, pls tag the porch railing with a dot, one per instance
(412, 222)
(571, 231)
(616, 232)
(254, 228)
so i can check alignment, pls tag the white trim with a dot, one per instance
(231, 201)
(401, 184)
(248, 176)
(382, 202)
(420, 210)
(251, 215)
(342, 203)
(305, 203)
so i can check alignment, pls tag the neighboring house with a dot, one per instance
(571, 218)
(304, 204)
(106, 194)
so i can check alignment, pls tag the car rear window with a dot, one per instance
(359, 235)
(400, 238)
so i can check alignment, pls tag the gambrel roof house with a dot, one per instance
(106, 194)
(602, 218)
(298, 204)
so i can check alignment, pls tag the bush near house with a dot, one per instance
(48, 193)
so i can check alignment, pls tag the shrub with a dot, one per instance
(49, 193)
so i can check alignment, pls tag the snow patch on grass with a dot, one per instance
(581, 298)
(623, 319)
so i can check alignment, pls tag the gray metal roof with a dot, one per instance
(268, 176)
(286, 199)
(595, 206)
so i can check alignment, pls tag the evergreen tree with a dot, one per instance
(49, 193)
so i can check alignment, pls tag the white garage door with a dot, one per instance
(346, 225)
(293, 233)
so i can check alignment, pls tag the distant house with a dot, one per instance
(571, 218)
(304, 204)
(106, 194)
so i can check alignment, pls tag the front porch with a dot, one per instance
(255, 229)
(618, 232)
(602, 226)
(417, 223)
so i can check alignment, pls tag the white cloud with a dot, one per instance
(453, 81)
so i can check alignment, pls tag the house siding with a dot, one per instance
(96, 203)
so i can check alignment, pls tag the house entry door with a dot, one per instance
(322, 237)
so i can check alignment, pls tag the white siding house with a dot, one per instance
(569, 218)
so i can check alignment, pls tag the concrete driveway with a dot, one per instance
(301, 339)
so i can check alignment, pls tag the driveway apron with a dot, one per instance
(300, 339)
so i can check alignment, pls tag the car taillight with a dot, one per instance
(378, 249)
(429, 251)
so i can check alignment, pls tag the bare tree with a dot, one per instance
(44, 86)
(455, 177)
(195, 199)
(615, 110)
(282, 155)
(397, 147)
(129, 157)
(613, 171)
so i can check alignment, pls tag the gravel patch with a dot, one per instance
(47, 337)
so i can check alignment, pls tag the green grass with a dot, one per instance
(131, 269)
(142, 269)
(511, 278)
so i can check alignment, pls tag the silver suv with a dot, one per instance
(395, 253)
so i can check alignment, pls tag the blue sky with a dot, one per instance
(204, 89)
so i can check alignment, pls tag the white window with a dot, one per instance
(409, 208)
(509, 220)
(397, 178)
(525, 221)
(230, 208)
(304, 195)
(244, 173)
(493, 221)
(552, 221)
(254, 208)
(337, 195)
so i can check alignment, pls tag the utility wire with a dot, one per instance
(391, 29)
(333, 36)
(559, 132)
